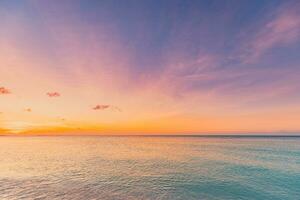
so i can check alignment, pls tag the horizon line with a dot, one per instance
(157, 135)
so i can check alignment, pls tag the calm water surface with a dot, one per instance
(149, 168)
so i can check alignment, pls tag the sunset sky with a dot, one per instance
(149, 67)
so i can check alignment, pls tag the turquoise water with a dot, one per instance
(149, 168)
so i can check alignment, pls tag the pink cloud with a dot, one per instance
(53, 94)
(283, 29)
(4, 90)
(104, 107)
(101, 107)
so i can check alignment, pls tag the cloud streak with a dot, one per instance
(282, 29)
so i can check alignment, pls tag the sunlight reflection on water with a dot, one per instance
(149, 168)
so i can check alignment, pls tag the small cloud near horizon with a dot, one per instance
(104, 107)
(101, 107)
(28, 110)
(53, 94)
(4, 90)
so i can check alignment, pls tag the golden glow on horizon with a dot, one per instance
(167, 125)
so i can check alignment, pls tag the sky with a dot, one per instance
(149, 67)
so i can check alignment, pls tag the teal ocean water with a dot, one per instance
(218, 168)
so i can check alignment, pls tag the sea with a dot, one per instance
(150, 167)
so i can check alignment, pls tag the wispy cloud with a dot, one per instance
(184, 74)
(282, 29)
(53, 94)
(4, 90)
